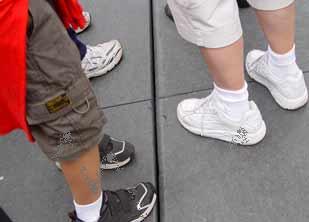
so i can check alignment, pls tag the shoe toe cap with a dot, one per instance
(187, 106)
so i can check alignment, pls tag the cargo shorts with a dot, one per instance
(214, 23)
(62, 109)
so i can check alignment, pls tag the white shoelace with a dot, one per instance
(93, 59)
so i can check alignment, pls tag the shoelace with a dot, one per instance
(203, 102)
(131, 193)
(92, 58)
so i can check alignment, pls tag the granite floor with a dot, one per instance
(198, 179)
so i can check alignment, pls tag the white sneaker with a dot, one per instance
(101, 58)
(289, 91)
(87, 25)
(207, 117)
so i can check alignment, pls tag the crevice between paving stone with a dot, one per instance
(154, 104)
(124, 104)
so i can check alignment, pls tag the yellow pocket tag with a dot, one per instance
(58, 103)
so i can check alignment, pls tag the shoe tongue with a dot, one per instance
(118, 200)
(105, 145)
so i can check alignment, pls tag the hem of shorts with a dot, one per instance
(275, 5)
(82, 148)
(210, 39)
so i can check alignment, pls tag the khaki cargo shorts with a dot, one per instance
(62, 110)
(214, 23)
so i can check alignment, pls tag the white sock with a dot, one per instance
(282, 64)
(237, 102)
(89, 212)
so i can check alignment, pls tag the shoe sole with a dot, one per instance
(109, 67)
(289, 104)
(105, 166)
(148, 211)
(115, 165)
(253, 138)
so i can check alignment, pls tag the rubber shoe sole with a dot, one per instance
(147, 211)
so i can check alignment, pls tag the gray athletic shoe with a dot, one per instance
(126, 205)
(115, 153)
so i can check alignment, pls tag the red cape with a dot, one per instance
(13, 20)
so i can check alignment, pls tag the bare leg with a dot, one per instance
(280, 72)
(226, 65)
(279, 28)
(83, 176)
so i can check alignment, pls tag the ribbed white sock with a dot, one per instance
(236, 102)
(282, 64)
(89, 212)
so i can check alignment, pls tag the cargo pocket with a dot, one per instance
(87, 120)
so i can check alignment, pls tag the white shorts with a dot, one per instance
(214, 23)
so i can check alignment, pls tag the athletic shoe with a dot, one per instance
(87, 25)
(114, 153)
(207, 117)
(126, 205)
(289, 91)
(101, 58)
(168, 13)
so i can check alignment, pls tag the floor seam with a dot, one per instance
(124, 104)
(154, 107)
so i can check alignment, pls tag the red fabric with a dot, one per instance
(13, 20)
(70, 11)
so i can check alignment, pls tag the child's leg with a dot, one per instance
(62, 110)
(66, 122)
(83, 176)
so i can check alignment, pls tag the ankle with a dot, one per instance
(282, 63)
(236, 103)
(90, 212)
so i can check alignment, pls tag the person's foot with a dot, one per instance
(207, 117)
(114, 153)
(168, 12)
(101, 58)
(87, 25)
(126, 205)
(288, 90)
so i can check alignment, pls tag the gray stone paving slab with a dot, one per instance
(34, 190)
(205, 180)
(129, 22)
(180, 68)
